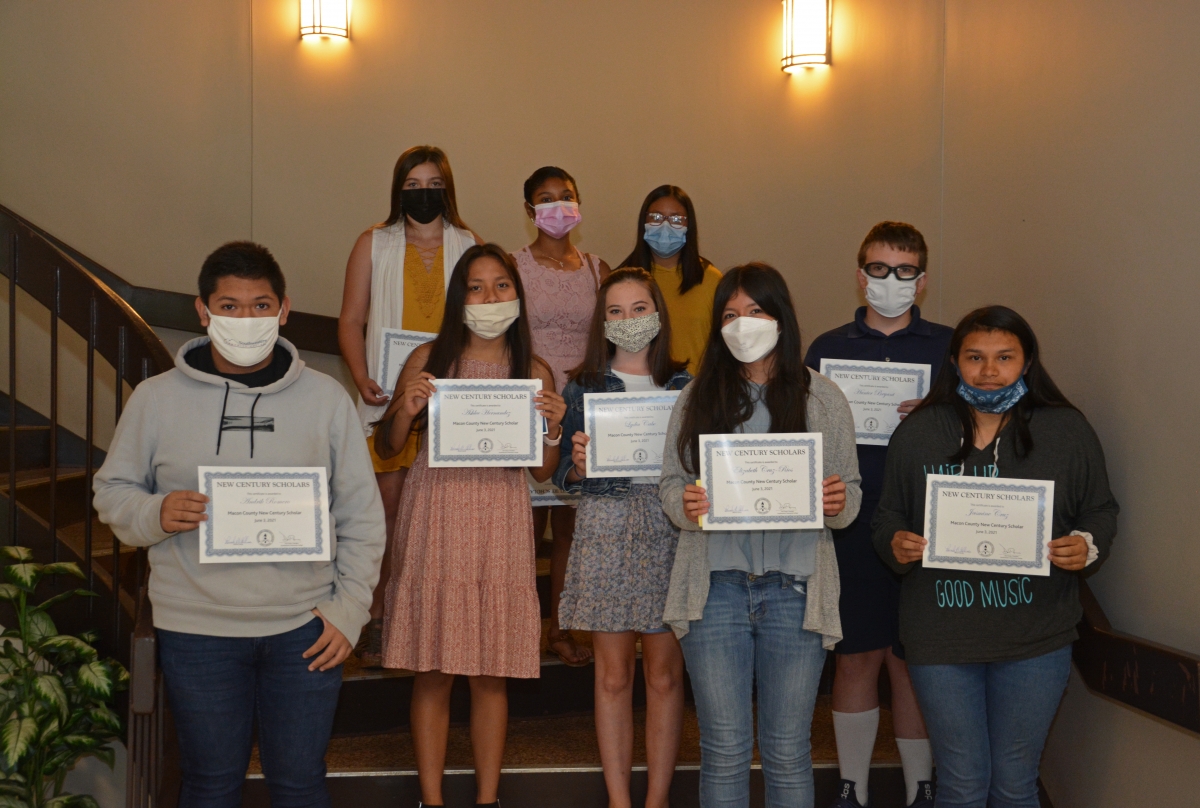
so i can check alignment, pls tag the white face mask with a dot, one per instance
(750, 338)
(490, 320)
(891, 296)
(244, 341)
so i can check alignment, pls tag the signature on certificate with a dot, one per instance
(957, 549)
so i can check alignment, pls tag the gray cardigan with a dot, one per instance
(828, 413)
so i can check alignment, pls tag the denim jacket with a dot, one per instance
(573, 422)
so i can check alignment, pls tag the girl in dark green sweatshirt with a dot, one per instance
(990, 653)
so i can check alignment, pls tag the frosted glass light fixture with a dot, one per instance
(324, 18)
(807, 34)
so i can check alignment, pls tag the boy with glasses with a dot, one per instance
(891, 273)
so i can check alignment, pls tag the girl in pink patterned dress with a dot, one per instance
(463, 600)
(560, 281)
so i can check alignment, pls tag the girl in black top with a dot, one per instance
(989, 653)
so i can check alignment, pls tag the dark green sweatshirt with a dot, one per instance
(953, 617)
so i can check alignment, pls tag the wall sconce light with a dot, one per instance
(807, 34)
(324, 18)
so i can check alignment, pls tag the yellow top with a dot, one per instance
(424, 303)
(691, 313)
(424, 292)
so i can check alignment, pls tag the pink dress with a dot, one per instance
(462, 597)
(560, 310)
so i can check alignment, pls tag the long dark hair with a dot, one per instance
(590, 372)
(1043, 392)
(691, 264)
(720, 398)
(446, 351)
(408, 161)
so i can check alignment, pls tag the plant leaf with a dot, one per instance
(68, 645)
(95, 679)
(50, 688)
(40, 627)
(17, 553)
(23, 575)
(90, 636)
(8, 787)
(79, 742)
(9, 592)
(63, 568)
(71, 801)
(59, 598)
(107, 754)
(105, 719)
(49, 731)
(8, 801)
(15, 737)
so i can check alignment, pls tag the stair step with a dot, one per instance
(34, 477)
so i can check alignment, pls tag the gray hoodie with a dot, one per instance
(171, 425)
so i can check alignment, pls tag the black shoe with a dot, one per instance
(846, 797)
(925, 793)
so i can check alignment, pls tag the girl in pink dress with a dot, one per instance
(463, 600)
(561, 282)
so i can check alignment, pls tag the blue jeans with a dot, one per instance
(219, 685)
(752, 634)
(988, 724)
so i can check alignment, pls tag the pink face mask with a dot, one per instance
(556, 219)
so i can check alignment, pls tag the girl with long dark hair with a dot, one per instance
(989, 654)
(668, 245)
(396, 278)
(463, 600)
(560, 281)
(756, 610)
(620, 565)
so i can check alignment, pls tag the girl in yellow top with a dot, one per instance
(669, 246)
(396, 278)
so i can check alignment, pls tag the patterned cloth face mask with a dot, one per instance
(633, 333)
(992, 402)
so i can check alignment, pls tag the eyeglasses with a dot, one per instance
(678, 220)
(904, 272)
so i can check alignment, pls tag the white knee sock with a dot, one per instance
(855, 735)
(916, 756)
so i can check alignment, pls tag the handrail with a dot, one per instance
(1145, 675)
(158, 307)
(112, 329)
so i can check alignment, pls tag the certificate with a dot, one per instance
(988, 524)
(763, 482)
(481, 422)
(875, 390)
(395, 345)
(265, 514)
(626, 432)
(548, 494)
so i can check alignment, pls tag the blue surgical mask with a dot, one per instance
(992, 401)
(664, 239)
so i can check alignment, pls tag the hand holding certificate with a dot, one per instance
(763, 482)
(988, 524)
(484, 422)
(265, 514)
(626, 432)
(875, 391)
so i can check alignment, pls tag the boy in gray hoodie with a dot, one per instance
(245, 640)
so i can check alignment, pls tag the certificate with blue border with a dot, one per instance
(763, 482)
(484, 422)
(394, 348)
(265, 514)
(548, 494)
(875, 390)
(626, 432)
(988, 524)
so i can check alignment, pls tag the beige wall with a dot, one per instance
(1047, 150)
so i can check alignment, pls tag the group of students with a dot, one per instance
(750, 614)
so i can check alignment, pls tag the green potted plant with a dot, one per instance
(55, 693)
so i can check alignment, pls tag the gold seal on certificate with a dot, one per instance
(265, 514)
(395, 346)
(875, 390)
(988, 524)
(763, 482)
(626, 432)
(485, 422)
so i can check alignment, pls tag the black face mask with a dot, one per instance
(423, 204)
